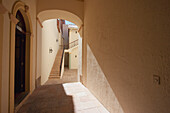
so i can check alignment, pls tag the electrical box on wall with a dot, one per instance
(156, 79)
(50, 50)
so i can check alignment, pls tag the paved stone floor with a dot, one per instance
(61, 97)
(70, 75)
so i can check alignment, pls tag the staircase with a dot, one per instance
(55, 71)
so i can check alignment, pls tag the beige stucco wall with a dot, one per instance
(5, 63)
(83, 78)
(49, 36)
(1, 38)
(5, 54)
(99, 86)
(130, 40)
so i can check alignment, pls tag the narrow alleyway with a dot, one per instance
(57, 96)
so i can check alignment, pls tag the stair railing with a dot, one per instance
(63, 47)
(61, 60)
(70, 45)
(73, 44)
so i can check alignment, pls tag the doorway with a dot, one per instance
(20, 60)
(66, 60)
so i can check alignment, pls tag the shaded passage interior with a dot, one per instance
(48, 99)
(57, 96)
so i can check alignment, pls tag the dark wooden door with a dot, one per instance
(20, 50)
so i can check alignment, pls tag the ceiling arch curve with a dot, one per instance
(73, 6)
(60, 14)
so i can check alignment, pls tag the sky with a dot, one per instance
(67, 22)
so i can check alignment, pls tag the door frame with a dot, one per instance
(29, 52)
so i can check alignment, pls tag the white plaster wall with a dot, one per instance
(80, 57)
(130, 40)
(49, 36)
(5, 55)
(72, 35)
(73, 60)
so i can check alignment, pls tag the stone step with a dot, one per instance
(54, 74)
(53, 77)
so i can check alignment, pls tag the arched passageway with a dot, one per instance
(56, 94)
(47, 42)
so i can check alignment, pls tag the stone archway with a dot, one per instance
(57, 14)
(61, 14)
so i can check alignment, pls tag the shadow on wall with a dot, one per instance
(98, 84)
(48, 99)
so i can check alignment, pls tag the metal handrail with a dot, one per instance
(70, 45)
(61, 60)
(63, 47)
(73, 44)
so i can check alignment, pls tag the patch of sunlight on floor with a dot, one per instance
(83, 100)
